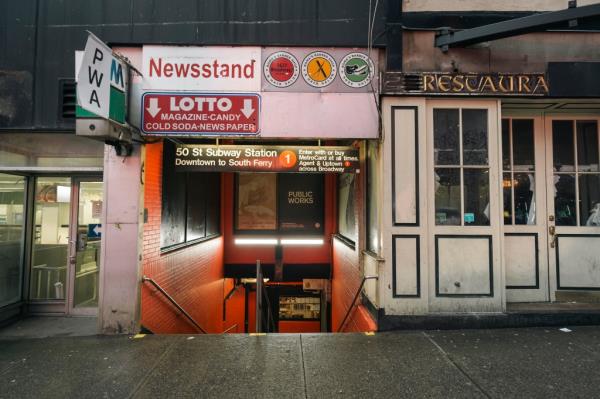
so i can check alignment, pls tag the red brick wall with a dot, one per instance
(193, 275)
(347, 273)
(347, 277)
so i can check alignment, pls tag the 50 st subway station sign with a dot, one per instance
(237, 158)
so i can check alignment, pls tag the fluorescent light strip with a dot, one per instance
(301, 241)
(256, 241)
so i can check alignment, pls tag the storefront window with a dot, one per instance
(576, 173)
(518, 165)
(346, 205)
(461, 162)
(373, 187)
(191, 203)
(12, 199)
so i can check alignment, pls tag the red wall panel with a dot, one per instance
(249, 254)
(296, 326)
(346, 281)
(193, 275)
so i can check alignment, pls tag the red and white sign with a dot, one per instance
(208, 69)
(199, 113)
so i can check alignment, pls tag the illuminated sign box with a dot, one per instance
(238, 158)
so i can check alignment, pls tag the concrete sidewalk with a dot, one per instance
(531, 363)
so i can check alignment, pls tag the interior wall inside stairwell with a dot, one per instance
(347, 271)
(192, 275)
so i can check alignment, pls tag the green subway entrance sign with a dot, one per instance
(102, 82)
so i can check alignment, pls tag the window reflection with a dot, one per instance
(447, 196)
(563, 151)
(12, 195)
(524, 189)
(477, 198)
(587, 146)
(474, 137)
(589, 200)
(564, 200)
(523, 146)
(519, 187)
(446, 136)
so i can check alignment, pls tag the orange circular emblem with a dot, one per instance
(287, 159)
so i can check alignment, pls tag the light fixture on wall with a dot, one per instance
(302, 241)
(256, 241)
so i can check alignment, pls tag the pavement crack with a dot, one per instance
(303, 368)
(146, 376)
(456, 365)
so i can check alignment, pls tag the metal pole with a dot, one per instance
(259, 283)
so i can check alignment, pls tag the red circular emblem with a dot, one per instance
(281, 69)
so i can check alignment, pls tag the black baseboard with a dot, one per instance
(486, 321)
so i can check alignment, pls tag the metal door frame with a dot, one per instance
(72, 249)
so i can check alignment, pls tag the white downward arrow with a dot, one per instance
(153, 109)
(247, 110)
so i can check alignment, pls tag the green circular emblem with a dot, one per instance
(356, 70)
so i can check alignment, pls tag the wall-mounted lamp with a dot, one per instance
(256, 241)
(302, 241)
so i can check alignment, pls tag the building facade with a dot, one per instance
(476, 150)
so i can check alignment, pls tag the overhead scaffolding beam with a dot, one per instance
(514, 27)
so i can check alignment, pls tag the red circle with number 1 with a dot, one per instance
(287, 159)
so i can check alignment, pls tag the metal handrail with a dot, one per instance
(230, 328)
(170, 298)
(362, 283)
(270, 321)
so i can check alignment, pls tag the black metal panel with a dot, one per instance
(457, 19)
(394, 35)
(574, 79)
(518, 26)
(62, 30)
(17, 43)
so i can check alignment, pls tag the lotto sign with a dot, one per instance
(200, 114)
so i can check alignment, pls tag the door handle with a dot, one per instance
(72, 252)
(552, 232)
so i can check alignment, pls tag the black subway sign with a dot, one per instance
(254, 158)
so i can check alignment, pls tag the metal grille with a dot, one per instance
(68, 98)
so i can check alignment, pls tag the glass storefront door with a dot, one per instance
(573, 192)
(65, 254)
(551, 182)
(85, 255)
(48, 273)
(12, 223)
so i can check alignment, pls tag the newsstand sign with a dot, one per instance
(193, 113)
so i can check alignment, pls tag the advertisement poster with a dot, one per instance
(257, 201)
(301, 204)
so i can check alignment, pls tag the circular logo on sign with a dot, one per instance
(281, 69)
(287, 159)
(356, 70)
(319, 69)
